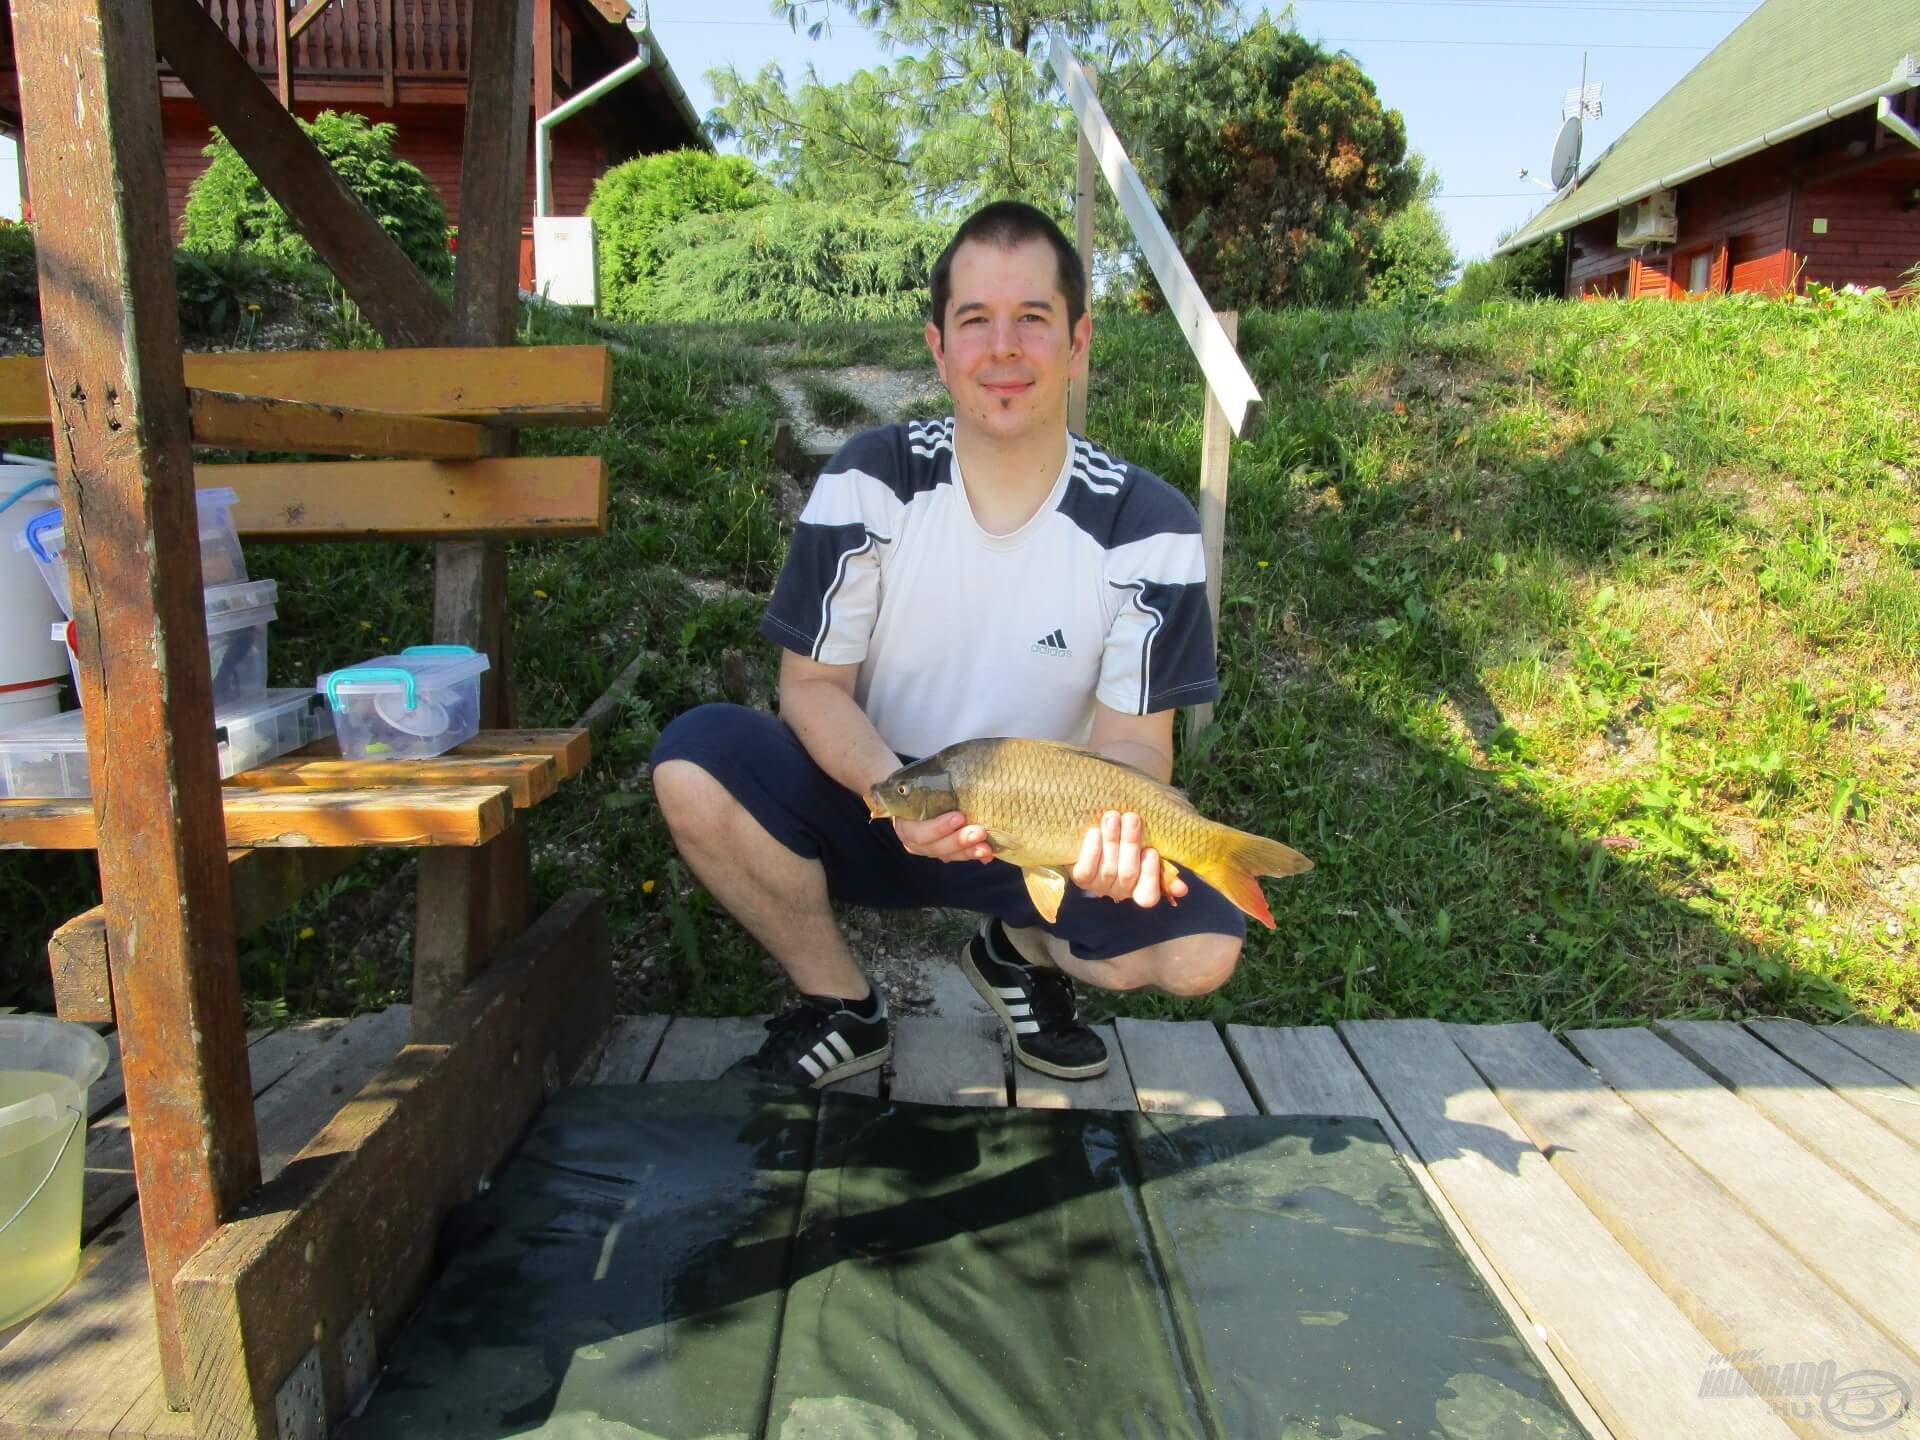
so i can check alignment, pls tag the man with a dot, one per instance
(987, 574)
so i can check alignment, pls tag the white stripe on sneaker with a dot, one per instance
(827, 1058)
(1010, 992)
(1027, 1027)
(811, 1066)
(839, 1042)
(1021, 1009)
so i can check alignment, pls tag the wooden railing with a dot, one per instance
(407, 38)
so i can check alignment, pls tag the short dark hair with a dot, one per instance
(1005, 224)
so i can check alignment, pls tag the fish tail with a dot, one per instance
(1237, 858)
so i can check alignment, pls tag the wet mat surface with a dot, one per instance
(689, 1262)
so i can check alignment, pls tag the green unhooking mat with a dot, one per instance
(691, 1262)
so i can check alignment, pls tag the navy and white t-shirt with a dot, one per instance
(960, 633)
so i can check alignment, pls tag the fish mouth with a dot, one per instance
(875, 810)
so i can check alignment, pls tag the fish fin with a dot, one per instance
(1241, 858)
(1169, 872)
(1046, 887)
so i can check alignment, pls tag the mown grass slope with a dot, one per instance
(1576, 644)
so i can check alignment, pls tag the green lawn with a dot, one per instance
(1577, 645)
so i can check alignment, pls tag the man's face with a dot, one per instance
(1008, 351)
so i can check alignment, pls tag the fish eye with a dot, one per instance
(904, 787)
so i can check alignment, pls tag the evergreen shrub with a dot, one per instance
(796, 262)
(636, 203)
(228, 209)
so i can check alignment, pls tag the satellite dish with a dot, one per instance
(1566, 154)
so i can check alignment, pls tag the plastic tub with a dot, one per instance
(221, 561)
(26, 609)
(47, 759)
(46, 1066)
(21, 707)
(419, 703)
(237, 621)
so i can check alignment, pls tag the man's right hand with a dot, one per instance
(945, 837)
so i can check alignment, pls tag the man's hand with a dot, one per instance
(1114, 866)
(945, 837)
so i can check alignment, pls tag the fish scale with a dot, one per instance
(1036, 799)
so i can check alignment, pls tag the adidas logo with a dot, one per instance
(1054, 644)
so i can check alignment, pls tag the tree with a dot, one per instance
(1536, 271)
(1278, 167)
(228, 209)
(968, 111)
(635, 203)
(1414, 255)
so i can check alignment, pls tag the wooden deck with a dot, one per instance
(1652, 1209)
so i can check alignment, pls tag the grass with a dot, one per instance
(833, 405)
(1575, 643)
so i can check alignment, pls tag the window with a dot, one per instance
(1700, 272)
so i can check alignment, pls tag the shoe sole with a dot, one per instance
(855, 1067)
(1045, 1067)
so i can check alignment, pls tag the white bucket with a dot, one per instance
(28, 660)
(17, 707)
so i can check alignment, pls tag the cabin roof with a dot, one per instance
(1788, 67)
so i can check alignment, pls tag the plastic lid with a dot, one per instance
(248, 595)
(262, 708)
(404, 676)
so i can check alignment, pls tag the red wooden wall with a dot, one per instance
(1872, 234)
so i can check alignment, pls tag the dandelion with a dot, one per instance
(386, 640)
(646, 887)
(254, 308)
(306, 932)
(743, 440)
(366, 624)
(1259, 564)
(539, 594)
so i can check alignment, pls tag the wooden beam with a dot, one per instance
(283, 54)
(249, 422)
(527, 779)
(368, 1193)
(511, 498)
(532, 385)
(110, 321)
(371, 266)
(469, 905)
(570, 750)
(417, 816)
(309, 12)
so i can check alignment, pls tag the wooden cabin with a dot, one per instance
(1790, 155)
(406, 62)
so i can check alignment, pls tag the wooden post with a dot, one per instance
(470, 902)
(108, 312)
(283, 54)
(1084, 197)
(1216, 436)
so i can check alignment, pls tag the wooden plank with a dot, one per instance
(1867, 1153)
(1738, 1285)
(697, 1049)
(570, 750)
(88, 1365)
(630, 1050)
(109, 316)
(527, 779)
(1305, 1070)
(526, 385)
(308, 13)
(949, 1061)
(370, 1190)
(1111, 1091)
(1216, 449)
(1632, 1353)
(1848, 1239)
(251, 422)
(552, 497)
(493, 166)
(332, 819)
(82, 979)
(1859, 1082)
(1219, 361)
(1895, 1051)
(1182, 1067)
(383, 282)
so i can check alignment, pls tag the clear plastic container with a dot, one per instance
(419, 703)
(237, 621)
(221, 562)
(48, 758)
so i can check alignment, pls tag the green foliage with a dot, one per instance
(1278, 166)
(19, 280)
(1536, 271)
(1414, 255)
(834, 404)
(228, 209)
(968, 111)
(634, 204)
(796, 262)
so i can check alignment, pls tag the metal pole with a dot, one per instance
(542, 198)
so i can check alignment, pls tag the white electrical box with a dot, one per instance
(563, 268)
(1653, 220)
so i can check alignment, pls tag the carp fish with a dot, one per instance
(1036, 799)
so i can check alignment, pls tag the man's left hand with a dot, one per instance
(1115, 866)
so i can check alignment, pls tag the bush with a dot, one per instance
(796, 262)
(1536, 271)
(229, 210)
(635, 204)
(1412, 260)
(19, 279)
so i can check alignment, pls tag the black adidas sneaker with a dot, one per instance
(818, 1041)
(1035, 1003)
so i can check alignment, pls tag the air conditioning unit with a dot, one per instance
(1650, 221)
